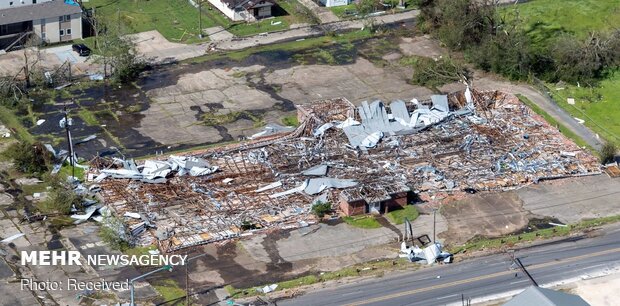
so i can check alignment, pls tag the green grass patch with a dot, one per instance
(176, 20)
(169, 290)
(11, 121)
(138, 251)
(543, 20)
(88, 117)
(61, 221)
(376, 268)
(290, 121)
(345, 11)
(398, 216)
(366, 221)
(265, 25)
(480, 243)
(292, 46)
(563, 129)
(30, 189)
(598, 106)
(67, 170)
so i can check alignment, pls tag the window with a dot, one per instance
(34, 1)
(43, 22)
(67, 17)
(43, 36)
(60, 18)
(62, 32)
(11, 3)
(68, 31)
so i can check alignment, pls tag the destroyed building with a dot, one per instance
(368, 159)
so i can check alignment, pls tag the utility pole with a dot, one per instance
(200, 19)
(434, 224)
(518, 262)
(187, 281)
(69, 141)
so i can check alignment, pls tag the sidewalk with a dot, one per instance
(306, 32)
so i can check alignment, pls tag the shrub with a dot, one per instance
(608, 153)
(320, 209)
(113, 233)
(30, 158)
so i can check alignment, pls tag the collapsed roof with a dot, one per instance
(481, 140)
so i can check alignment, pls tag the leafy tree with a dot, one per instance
(365, 7)
(508, 53)
(459, 23)
(115, 51)
(586, 60)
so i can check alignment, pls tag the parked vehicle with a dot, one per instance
(81, 49)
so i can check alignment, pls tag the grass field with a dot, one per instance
(367, 222)
(544, 20)
(178, 21)
(398, 216)
(599, 107)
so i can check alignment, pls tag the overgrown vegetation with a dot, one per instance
(320, 209)
(117, 52)
(376, 268)
(496, 41)
(608, 153)
(555, 42)
(60, 198)
(290, 121)
(112, 232)
(29, 158)
(410, 212)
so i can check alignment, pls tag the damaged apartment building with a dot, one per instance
(372, 158)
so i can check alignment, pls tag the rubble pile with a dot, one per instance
(466, 140)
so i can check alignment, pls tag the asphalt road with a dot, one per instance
(479, 277)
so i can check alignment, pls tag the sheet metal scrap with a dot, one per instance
(481, 140)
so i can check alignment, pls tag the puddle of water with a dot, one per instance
(539, 224)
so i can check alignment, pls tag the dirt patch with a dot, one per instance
(488, 215)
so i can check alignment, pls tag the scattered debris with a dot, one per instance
(376, 155)
(429, 254)
(267, 289)
(11, 238)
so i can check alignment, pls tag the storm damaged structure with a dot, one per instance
(367, 159)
